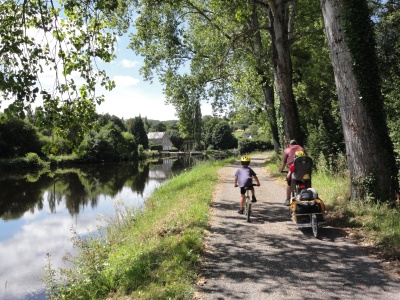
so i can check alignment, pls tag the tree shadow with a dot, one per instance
(279, 262)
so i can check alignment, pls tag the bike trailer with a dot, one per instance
(301, 210)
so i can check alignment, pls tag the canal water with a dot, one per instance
(39, 212)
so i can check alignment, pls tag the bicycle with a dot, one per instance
(247, 203)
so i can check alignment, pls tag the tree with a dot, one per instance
(106, 118)
(209, 124)
(17, 138)
(67, 40)
(281, 17)
(108, 144)
(369, 149)
(136, 128)
(314, 85)
(217, 134)
(187, 104)
(160, 127)
(175, 138)
(253, 129)
(388, 45)
(215, 37)
(222, 137)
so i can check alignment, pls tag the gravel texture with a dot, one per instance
(271, 258)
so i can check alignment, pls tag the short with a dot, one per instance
(243, 190)
(289, 182)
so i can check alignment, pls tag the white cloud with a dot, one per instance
(125, 81)
(125, 104)
(23, 268)
(129, 63)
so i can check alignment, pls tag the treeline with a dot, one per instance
(116, 139)
(325, 73)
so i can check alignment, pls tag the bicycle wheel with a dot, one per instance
(314, 225)
(248, 211)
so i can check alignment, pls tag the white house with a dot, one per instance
(160, 138)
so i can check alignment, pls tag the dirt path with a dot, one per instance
(271, 258)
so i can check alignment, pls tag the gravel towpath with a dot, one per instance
(271, 258)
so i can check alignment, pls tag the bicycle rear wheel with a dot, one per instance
(314, 225)
(248, 211)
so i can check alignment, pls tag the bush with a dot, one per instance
(140, 151)
(33, 161)
(156, 147)
(250, 145)
(109, 144)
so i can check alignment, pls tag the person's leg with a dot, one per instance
(242, 200)
(288, 192)
(253, 196)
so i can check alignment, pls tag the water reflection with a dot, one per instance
(37, 213)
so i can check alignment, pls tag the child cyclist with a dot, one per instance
(244, 178)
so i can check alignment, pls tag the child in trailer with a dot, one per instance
(244, 178)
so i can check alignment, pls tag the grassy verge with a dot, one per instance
(375, 225)
(149, 254)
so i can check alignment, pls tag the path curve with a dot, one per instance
(271, 258)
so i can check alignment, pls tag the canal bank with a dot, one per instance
(39, 213)
(152, 253)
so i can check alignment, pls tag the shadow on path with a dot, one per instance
(271, 258)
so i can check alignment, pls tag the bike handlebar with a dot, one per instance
(254, 184)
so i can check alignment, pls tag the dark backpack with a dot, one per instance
(306, 195)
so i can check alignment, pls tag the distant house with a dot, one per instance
(160, 138)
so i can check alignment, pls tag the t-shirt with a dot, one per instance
(291, 170)
(245, 176)
(288, 154)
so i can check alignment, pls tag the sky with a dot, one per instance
(133, 96)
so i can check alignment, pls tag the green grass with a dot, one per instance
(149, 254)
(376, 225)
(238, 134)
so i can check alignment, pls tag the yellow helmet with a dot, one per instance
(245, 159)
(299, 153)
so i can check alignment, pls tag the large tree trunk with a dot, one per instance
(369, 150)
(279, 16)
(268, 91)
(266, 75)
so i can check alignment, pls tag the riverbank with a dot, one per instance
(32, 161)
(150, 254)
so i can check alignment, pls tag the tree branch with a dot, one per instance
(202, 13)
(300, 36)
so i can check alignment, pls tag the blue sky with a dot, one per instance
(133, 96)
